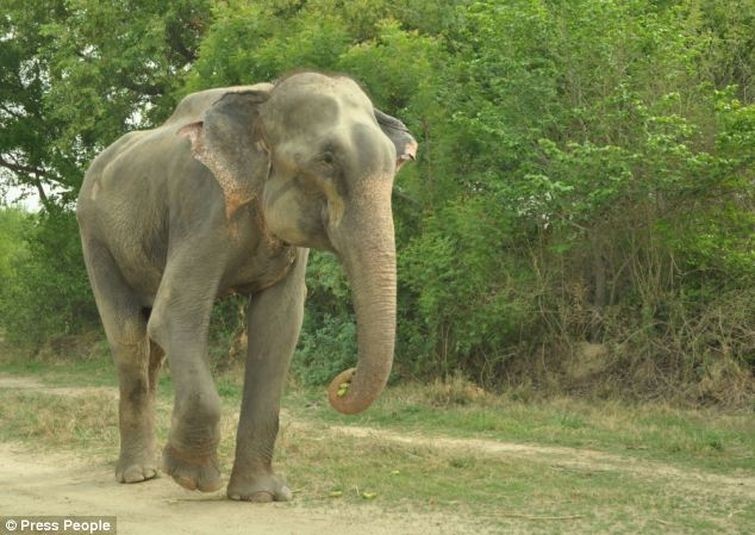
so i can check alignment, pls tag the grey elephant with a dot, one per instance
(226, 197)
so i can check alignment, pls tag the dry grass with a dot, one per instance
(456, 390)
(50, 420)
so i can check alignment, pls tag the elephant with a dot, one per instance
(226, 197)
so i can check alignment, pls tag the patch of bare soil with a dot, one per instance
(63, 484)
(30, 383)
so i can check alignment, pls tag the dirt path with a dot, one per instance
(31, 383)
(58, 484)
(64, 484)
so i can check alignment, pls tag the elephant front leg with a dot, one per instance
(273, 322)
(179, 323)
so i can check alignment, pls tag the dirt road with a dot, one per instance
(58, 484)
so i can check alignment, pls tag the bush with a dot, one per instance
(47, 293)
(326, 348)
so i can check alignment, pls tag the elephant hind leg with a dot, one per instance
(156, 359)
(137, 360)
(156, 355)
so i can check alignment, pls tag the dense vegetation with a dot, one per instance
(581, 214)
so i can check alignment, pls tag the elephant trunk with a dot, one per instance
(369, 257)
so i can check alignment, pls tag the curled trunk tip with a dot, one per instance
(340, 394)
(348, 393)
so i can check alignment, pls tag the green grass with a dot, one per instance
(716, 440)
(95, 371)
(720, 441)
(498, 492)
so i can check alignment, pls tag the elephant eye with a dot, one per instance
(327, 164)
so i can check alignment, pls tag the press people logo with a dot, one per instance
(91, 525)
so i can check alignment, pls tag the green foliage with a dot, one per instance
(462, 317)
(585, 170)
(13, 249)
(328, 341)
(76, 74)
(47, 292)
(327, 347)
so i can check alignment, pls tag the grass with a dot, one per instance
(95, 371)
(48, 420)
(706, 438)
(498, 492)
(722, 441)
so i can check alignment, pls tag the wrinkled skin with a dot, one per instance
(226, 197)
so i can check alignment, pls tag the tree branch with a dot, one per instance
(32, 174)
(19, 168)
(44, 199)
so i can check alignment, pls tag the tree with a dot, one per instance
(74, 76)
(77, 74)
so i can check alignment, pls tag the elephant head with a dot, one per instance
(320, 160)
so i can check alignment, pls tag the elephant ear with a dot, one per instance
(227, 142)
(406, 145)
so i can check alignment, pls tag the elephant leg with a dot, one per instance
(126, 330)
(179, 323)
(273, 323)
(156, 358)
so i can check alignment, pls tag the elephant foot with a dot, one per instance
(193, 472)
(263, 488)
(134, 469)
